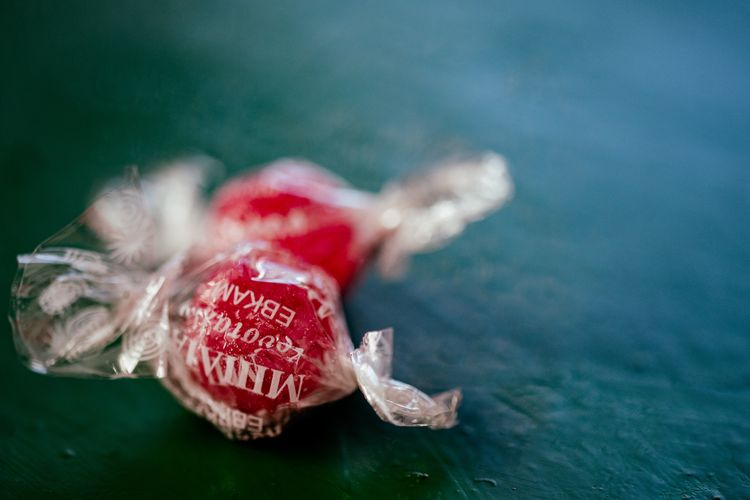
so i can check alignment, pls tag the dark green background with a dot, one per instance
(599, 326)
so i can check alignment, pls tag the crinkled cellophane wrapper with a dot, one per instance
(121, 293)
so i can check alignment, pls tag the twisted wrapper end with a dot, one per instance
(426, 212)
(91, 300)
(396, 402)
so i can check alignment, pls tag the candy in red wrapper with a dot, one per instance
(308, 211)
(260, 338)
(301, 208)
(246, 340)
(237, 310)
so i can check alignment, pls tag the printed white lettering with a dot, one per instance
(275, 389)
(286, 316)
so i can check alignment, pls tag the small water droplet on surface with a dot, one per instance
(487, 480)
(69, 453)
(421, 476)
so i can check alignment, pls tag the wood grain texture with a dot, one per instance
(599, 325)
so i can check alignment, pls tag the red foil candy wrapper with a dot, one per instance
(236, 307)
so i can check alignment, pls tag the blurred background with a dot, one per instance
(599, 325)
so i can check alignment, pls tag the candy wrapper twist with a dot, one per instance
(234, 304)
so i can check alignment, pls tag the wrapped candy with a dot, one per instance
(301, 208)
(316, 216)
(260, 336)
(245, 327)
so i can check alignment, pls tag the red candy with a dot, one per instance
(246, 336)
(300, 208)
(262, 337)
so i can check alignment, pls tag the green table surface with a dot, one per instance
(599, 325)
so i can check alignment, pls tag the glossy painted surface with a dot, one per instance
(599, 325)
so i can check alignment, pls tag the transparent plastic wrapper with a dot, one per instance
(259, 335)
(235, 305)
(246, 340)
(318, 217)
(302, 208)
